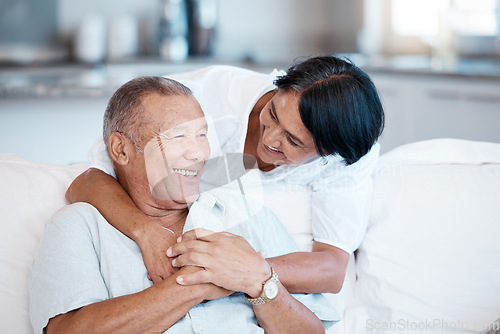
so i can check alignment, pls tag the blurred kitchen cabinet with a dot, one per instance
(420, 107)
(54, 130)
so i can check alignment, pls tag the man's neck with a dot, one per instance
(166, 213)
(173, 220)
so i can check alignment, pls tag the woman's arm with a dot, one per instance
(107, 195)
(285, 314)
(321, 270)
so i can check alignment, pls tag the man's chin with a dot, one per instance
(190, 199)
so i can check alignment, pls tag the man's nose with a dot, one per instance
(196, 150)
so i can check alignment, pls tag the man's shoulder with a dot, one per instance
(79, 209)
(74, 216)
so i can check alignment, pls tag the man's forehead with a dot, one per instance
(170, 111)
(185, 125)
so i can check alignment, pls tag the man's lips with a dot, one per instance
(186, 172)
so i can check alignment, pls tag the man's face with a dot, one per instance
(178, 149)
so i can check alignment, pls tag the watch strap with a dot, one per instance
(262, 299)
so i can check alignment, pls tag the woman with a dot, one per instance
(315, 127)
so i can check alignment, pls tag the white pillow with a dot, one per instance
(29, 194)
(430, 260)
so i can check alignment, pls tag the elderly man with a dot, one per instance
(89, 277)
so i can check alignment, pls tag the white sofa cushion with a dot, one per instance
(29, 194)
(430, 261)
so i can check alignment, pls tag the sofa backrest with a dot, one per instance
(430, 260)
(29, 194)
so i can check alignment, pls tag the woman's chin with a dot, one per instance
(269, 158)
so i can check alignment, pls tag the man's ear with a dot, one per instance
(119, 148)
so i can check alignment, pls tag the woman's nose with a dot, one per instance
(272, 136)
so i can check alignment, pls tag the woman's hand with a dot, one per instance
(229, 261)
(154, 242)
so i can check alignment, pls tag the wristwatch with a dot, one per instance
(269, 290)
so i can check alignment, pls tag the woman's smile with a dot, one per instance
(272, 150)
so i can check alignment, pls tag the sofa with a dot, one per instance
(429, 263)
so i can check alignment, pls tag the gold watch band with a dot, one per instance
(262, 299)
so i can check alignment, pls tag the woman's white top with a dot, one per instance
(322, 200)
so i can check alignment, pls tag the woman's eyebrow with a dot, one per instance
(295, 138)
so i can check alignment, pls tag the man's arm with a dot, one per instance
(106, 194)
(152, 310)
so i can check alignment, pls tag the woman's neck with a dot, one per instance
(254, 131)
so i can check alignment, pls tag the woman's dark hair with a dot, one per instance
(338, 104)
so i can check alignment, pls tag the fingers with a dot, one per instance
(197, 233)
(193, 259)
(187, 246)
(194, 241)
(199, 277)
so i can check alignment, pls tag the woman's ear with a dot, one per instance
(119, 148)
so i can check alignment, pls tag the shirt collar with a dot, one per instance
(208, 200)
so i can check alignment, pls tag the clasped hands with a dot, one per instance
(225, 260)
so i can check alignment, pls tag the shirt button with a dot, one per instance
(199, 327)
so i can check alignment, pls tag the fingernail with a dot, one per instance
(169, 251)
(179, 239)
(174, 262)
(180, 280)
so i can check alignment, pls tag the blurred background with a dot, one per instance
(436, 63)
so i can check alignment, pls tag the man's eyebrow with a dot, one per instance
(295, 138)
(180, 127)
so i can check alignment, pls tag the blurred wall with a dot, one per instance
(28, 21)
(258, 29)
(267, 30)
(71, 14)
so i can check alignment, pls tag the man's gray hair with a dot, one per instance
(124, 111)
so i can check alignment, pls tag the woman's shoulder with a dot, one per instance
(324, 171)
(221, 72)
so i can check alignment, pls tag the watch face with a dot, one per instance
(271, 289)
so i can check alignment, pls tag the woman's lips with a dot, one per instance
(272, 150)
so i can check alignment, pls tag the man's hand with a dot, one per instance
(153, 244)
(211, 291)
(228, 260)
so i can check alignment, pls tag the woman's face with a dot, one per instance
(284, 139)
